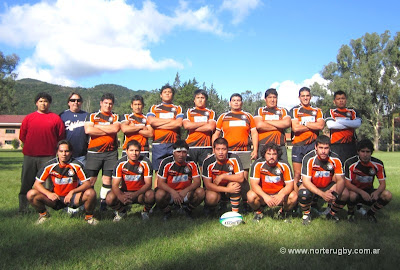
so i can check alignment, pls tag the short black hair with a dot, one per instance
(365, 143)
(304, 89)
(236, 95)
(74, 93)
(201, 92)
(70, 147)
(108, 96)
(166, 87)
(43, 95)
(137, 97)
(222, 141)
(135, 143)
(270, 91)
(322, 139)
(268, 146)
(180, 144)
(340, 92)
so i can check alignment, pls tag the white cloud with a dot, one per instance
(240, 8)
(75, 38)
(288, 91)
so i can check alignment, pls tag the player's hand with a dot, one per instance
(278, 198)
(366, 197)
(177, 198)
(124, 198)
(328, 196)
(53, 196)
(67, 198)
(183, 193)
(234, 188)
(375, 195)
(254, 154)
(269, 201)
(218, 179)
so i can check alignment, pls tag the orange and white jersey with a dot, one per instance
(102, 143)
(304, 115)
(178, 176)
(196, 138)
(321, 171)
(236, 128)
(275, 136)
(212, 167)
(362, 175)
(271, 179)
(165, 111)
(64, 177)
(132, 173)
(137, 120)
(342, 135)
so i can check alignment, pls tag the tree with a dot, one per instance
(8, 100)
(15, 143)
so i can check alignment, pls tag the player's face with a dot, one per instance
(133, 152)
(271, 156)
(167, 95)
(340, 101)
(236, 104)
(75, 103)
(221, 152)
(106, 106)
(271, 100)
(322, 151)
(63, 153)
(43, 105)
(200, 101)
(137, 107)
(180, 156)
(305, 98)
(365, 155)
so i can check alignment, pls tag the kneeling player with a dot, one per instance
(178, 182)
(71, 186)
(271, 183)
(360, 172)
(131, 183)
(222, 176)
(322, 175)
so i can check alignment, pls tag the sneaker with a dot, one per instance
(372, 218)
(351, 219)
(145, 215)
(92, 221)
(258, 217)
(119, 216)
(282, 215)
(332, 217)
(306, 220)
(325, 212)
(103, 205)
(42, 219)
(167, 216)
(362, 211)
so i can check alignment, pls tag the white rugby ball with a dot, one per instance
(230, 219)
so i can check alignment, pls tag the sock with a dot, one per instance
(235, 203)
(104, 191)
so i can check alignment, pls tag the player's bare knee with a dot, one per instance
(211, 198)
(386, 195)
(149, 195)
(200, 193)
(345, 195)
(160, 195)
(292, 198)
(31, 194)
(251, 196)
(353, 196)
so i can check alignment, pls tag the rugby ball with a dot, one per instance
(230, 219)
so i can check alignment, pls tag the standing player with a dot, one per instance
(271, 183)
(178, 182)
(322, 176)
(271, 122)
(222, 176)
(135, 126)
(342, 123)
(102, 128)
(166, 120)
(71, 186)
(360, 172)
(307, 121)
(131, 183)
(200, 122)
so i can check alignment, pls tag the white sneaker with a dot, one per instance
(119, 216)
(145, 216)
(42, 219)
(362, 211)
(92, 221)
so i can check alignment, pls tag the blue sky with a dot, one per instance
(236, 45)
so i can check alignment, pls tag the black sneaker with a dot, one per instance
(372, 218)
(258, 217)
(306, 220)
(332, 217)
(284, 216)
(103, 205)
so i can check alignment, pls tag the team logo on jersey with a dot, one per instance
(278, 112)
(244, 117)
(206, 113)
(71, 172)
(110, 119)
(125, 170)
(348, 114)
(329, 166)
(230, 168)
(372, 171)
(186, 170)
(314, 113)
(140, 169)
(144, 121)
(173, 109)
(277, 171)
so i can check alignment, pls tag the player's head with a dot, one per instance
(235, 102)
(107, 102)
(220, 149)
(43, 95)
(180, 151)
(365, 148)
(323, 146)
(200, 98)
(167, 93)
(133, 150)
(43, 101)
(137, 104)
(75, 101)
(271, 97)
(64, 151)
(340, 99)
(271, 152)
(305, 96)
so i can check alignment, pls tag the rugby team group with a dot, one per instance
(236, 158)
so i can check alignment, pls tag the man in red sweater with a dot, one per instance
(40, 133)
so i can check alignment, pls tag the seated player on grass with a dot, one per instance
(223, 177)
(178, 182)
(271, 183)
(360, 172)
(71, 186)
(131, 183)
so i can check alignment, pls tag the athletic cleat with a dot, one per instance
(92, 221)
(42, 219)
(306, 220)
(145, 216)
(258, 217)
(103, 205)
(332, 217)
(284, 216)
(167, 216)
(351, 219)
(372, 219)
(325, 212)
(362, 211)
(119, 216)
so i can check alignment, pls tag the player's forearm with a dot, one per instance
(189, 125)
(127, 128)
(208, 127)
(39, 187)
(238, 177)
(297, 127)
(147, 133)
(280, 124)
(109, 129)
(172, 124)
(94, 131)
(350, 123)
(312, 188)
(319, 125)
(287, 188)
(156, 122)
(85, 185)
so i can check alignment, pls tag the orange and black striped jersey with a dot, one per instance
(178, 176)
(272, 179)
(275, 136)
(304, 115)
(212, 167)
(236, 128)
(342, 135)
(137, 120)
(321, 171)
(165, 111)
(196, 138)
(362, 175)
(64, 177)
(103, 143)
(132, 173)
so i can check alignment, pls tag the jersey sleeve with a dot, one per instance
(219, 122)
(179, 112)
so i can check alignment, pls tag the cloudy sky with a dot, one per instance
(236, 45)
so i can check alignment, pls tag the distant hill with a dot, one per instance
(26, 90)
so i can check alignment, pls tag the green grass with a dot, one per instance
(69, 243)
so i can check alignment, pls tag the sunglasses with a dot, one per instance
(74, 100)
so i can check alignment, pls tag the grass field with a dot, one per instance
(69, 243)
